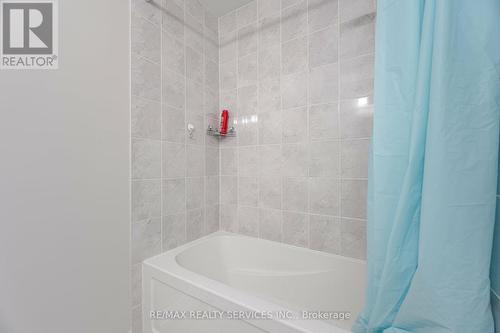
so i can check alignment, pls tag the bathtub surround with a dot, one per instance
(297, 77)
(434, 168)
(175, 176)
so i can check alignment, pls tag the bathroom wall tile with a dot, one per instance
(294, 90)
(146, 159)
(174, 160)
(355, 158)
(173, 18)
(146, 79)
(248, 39)
(229, 161)
(229, 101)
(173, 54)
(248, 191)
(195, 8)
(136, 284)
(193, 33)
(194, 97)
(210, 35)
(195, 224)
(356, 77)
(353, 233)
(229, 46)
(229, 218)
(212, 161)
(294, 125)
(211, 22)
(195, 192)
(248, 221)
(248, 70)
(270, 127)
(197, 119)
(270, 30)
(248, 130)
(146, 201)
(294, 21)
(136, 319)
(324, 196)
(270, 160)
(227, 23)
(324, 159)
(174, 196)
(325, 233)
(212, 192)
(324, 122)
(295, 194)
(270, 192)
(357, 37)
(145, 118)
(173, 121)
(288, 3)
(246, 14)
(173, 89)
(211, 49)
(145, 10)
(211, 102)
(322, 13)
(194, 65)
(294, 160)
(270, 62)
(248, 161)
(229, 72)
(295, 228)
(211, 219)
(146, 239)
(323, 47)
(248, 100)
(174, 231)
(268, 7)
(269, 95)
(228, 190)
(195, 160)
(356, 118)
(294, 56)
(351, 9)
(354, 196)
(323, 84)
(145, 39)
(270, 224)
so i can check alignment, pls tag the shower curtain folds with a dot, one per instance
(433, 171)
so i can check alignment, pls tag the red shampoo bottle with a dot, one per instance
(224, 119)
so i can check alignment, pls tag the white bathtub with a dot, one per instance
(223, 273)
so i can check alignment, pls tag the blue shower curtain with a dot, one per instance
(433, 172)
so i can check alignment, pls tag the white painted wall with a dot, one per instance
(64, 180)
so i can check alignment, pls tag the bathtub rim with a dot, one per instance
(202, 287)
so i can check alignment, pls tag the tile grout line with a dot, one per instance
(282, 215)
(161, 135)
(185, 123)
(308, 66)
(339, 126)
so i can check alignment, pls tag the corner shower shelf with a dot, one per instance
(231, 132)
